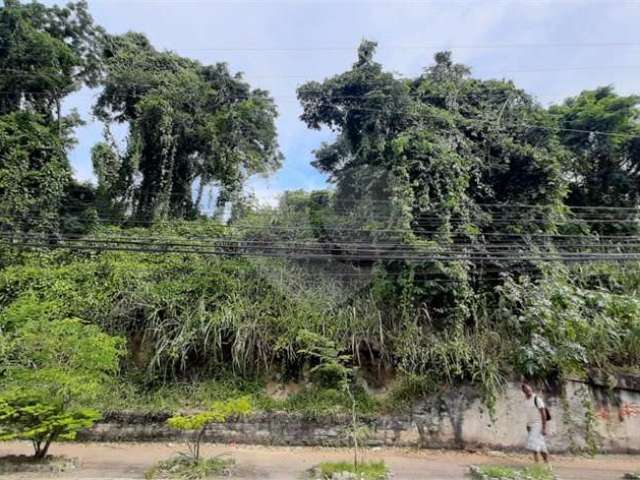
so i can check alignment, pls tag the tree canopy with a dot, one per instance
(189, 124)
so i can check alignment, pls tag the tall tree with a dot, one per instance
(444, 144)
(600, 130)
(432, 157)
(45, 54)
(189, 125)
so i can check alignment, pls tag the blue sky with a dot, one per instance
(552, 48)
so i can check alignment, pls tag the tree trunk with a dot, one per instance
(199, 195)
(59, 115)
(47, 444)
(354, 426)
(196, 455)
(41, 449)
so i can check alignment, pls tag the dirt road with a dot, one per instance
(128, 461)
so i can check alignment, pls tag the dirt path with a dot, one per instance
(128, 461)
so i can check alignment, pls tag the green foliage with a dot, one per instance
(217, 413)
(190, 123)
(41, 423)
(604, 167)
(497, 472)
(33, 174)
(52, 372)
(363, 471)
(48, 52)
(185, 468)
(563, 326)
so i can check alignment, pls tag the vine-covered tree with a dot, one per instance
(190, 125)
(434, 158)
(46, 53)
(600, 130)
(442, 144)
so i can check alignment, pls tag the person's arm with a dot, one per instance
(543, 416)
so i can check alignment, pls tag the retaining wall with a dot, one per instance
(585, 416)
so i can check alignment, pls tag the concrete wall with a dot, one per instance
(584, 415)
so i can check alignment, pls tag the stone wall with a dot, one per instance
(584, 416)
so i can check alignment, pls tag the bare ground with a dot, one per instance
(128, 461)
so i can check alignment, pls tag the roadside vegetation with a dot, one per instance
(472, 236)
(496, 472)
(344, 470)
(188, 468)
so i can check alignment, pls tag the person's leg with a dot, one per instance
(545, 457)
(535, 456)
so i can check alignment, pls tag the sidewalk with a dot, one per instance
(120, 461)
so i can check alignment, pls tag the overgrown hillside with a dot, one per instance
(473, 236)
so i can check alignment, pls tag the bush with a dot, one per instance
(363, 471)
(497, 472)
(53, 371)
(22, 463)
(187, 468)
(198, 422)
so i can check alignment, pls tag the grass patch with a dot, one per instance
(312, 401)
(130, 396)
(24, 463)
(632, 476)
(186, 468)
(364, 470)
(497, 472)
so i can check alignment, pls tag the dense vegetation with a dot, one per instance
(445, 255)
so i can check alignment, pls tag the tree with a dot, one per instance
(52, 372)
(332, 367)
(430, 159)
(198, 423)
(437, 147)
(189, 124)
(600, 130)
(34, 173)
(46, 53)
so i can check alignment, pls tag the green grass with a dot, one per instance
(311, 402)
(186, 468)
(497, 472)
(364, 470)
(23, 463)
(632, 476)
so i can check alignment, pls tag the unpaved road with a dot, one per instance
(128, 461)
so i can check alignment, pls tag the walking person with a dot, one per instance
(537, 416)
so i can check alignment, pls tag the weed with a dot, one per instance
(498, 472)
(363, 471)
(186, 468)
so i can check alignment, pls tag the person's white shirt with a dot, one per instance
(534, 404)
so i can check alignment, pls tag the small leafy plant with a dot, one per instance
(362, 471)
(197, 423)
(53, 371)
(186, 468)
(498, 472)
(333, 369)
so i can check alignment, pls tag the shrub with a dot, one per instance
(186, 468)
(198, 423)
(497, 472)
(53, 372)
(362, 471)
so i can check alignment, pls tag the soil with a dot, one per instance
(128, 461)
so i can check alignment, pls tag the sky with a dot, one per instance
(551, 48)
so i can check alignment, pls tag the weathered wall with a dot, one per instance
(584, 416)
